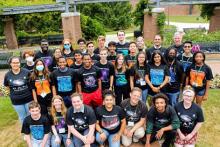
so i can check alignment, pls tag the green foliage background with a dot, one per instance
(95, 18)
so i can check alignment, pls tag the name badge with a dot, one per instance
(142, 82)
(62, 130)
(130, 124)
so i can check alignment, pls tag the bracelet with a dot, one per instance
(68, 138)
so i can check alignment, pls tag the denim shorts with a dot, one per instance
(200, 92)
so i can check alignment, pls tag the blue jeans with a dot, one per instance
(109, 137)
(144, 95)
(22, 111)
(63, 137)
(173, 98)
(37, 143)
(78, 142)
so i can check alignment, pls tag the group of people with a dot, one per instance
(91, 96)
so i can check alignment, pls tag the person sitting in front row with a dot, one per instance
(110, 121)
(36, 127)
(162, 122)
(136, 112)
(81, 122)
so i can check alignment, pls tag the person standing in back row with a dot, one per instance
(45, 54)
(107, 70)
(122, 46)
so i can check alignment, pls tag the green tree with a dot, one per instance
(207, 10)
(139, 13)
(91, 28)
(115, 15)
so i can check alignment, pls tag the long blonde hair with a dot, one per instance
(53, 109)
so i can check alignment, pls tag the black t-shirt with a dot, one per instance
(46, 57)
(139, 74)
(176, 72)
(161, 120)
(54, 64)
(150, 51)
(89, 78)
(19, 84)
(189, 117)
(64, 81)
(111, 58)
(110, 120)
(157, 73)
(130, 60)
(30, 68)
(61, 126)
(122, 48)
(80, 120)
(42, 87)
(185, 61)
(121, 78)
(37, 128)
(107, 70)
(95, 58)
(76, 66)
(69, 58)
(198, 75)
(179, 49)
(134, 113)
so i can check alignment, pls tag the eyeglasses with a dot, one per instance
(67, 44)
(15, 62)
(187, 46)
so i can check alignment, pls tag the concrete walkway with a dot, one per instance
(181, 26)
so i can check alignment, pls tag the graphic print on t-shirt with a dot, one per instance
(89, 80)
(161, 121)
(110, 122)
(42, 86)
(156, 76)
(80, 123)
(133, 116)
(61, 125)
(120, 79)
(123, 51)
(19, 84)
(37, 131)
(186, 121)
(105, 74)
(64, 83)
(47, 60)
(196, 78)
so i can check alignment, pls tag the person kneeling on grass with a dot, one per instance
(59, 126)
(110, 121)
(136, 112)
(191, 119)
(36, 127)
(81, 121)
(162, 122)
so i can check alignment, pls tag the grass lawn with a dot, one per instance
(187, 19)
(209, 135)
